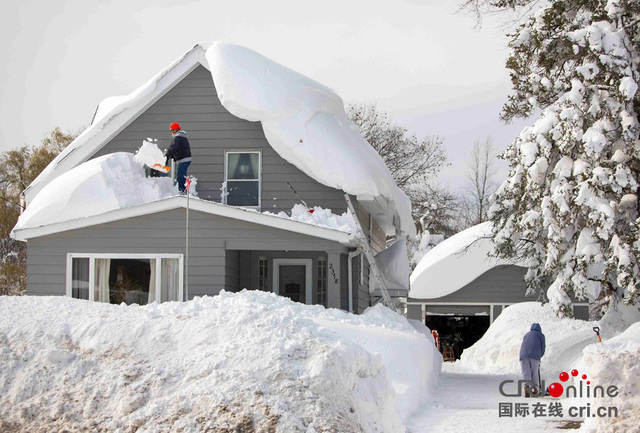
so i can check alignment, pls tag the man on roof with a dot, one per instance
(180, 151)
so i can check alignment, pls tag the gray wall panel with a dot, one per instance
(154, 234)
(211, 129)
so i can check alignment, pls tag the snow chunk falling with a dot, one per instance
(149, 154)
(305, 122)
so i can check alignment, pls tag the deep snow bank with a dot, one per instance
(235, 361)
(498, 351)
(616, 362)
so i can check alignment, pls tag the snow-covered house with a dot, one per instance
(264, 139)
(459, 290)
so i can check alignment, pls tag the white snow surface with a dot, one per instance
(149, 154)
(498, 351)
(454, 262)
(615, 362)
(319, 217)
(233, 362)
(305, 122)
(97, 186)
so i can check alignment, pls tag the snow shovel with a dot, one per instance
(596, 329)
(161, 168)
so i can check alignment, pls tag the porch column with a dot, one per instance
(333, 279)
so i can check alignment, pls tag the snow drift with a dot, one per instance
(246, 361)
(615, 362)
(498, 350)
(97, 186)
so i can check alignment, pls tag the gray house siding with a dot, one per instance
(500, 286)
(211, 266)
(212, 130)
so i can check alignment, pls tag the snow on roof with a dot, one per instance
(454, 263)
(394, 267)
(100, 185)
(114, 187)
(113, 115)
(303, 120)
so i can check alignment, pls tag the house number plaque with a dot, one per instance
(336, 280)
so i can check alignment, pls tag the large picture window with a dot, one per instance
(243, 175)
(133, 279)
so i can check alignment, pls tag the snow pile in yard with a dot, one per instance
(454, 263)
(319, 216)
(498, 351)
(616, 362)
(97, 186)
(304, 122)
(250, 361)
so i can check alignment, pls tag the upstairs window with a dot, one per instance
(243, 176)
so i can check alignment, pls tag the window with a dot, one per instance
(243, 179)
(322, 281)
(132, 279)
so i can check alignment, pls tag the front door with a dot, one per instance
(292, 279)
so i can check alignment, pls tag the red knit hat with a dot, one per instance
(174, 125)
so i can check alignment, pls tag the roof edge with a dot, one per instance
(92, 139)
(200, 205)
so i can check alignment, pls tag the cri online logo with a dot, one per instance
(557, 390)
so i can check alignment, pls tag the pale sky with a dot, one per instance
(424, 65)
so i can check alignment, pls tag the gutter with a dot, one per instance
(352, 255)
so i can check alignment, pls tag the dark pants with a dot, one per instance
(181, 174)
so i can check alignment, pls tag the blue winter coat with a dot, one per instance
(533, 343)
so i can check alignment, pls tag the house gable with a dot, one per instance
(212, 130)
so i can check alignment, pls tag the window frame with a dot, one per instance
(93, 256)
(226, 177)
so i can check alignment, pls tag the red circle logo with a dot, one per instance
(555, 389)
(574, 373)
(564, 376)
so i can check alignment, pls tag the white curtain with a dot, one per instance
(101, 293)
(152, 281)
(170, 290)
(243, 166)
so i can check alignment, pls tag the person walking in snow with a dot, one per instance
(531, 351)
(180, 151)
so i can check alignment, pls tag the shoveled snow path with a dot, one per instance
(468, 402)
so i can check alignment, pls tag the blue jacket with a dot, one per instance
(533, 343)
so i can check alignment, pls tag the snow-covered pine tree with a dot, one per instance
(570, 202)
